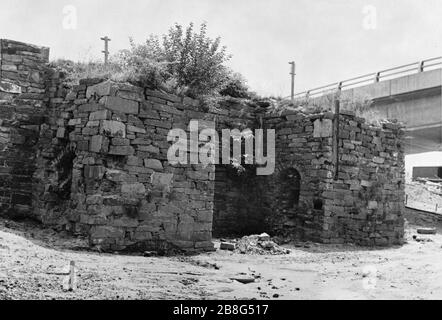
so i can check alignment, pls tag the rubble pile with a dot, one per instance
(259, 245)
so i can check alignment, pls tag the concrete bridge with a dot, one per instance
(414, 100)
(410, 93)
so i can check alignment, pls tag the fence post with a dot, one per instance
(292, 74)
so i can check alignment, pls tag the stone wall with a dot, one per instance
(23, 94)
(110, 151)
(92, 159)
(123, 192)
(303, 167)
(351, 186)
(365, 204)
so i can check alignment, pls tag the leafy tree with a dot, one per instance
(190, 60)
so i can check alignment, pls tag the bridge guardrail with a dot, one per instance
(387, 74)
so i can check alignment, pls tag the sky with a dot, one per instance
(329, 40)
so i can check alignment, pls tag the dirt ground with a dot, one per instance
(34, 263)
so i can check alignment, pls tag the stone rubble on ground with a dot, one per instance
(426, 230)
(254, 244)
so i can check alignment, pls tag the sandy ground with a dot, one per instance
(33, 264)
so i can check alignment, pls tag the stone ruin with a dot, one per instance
(92, 159)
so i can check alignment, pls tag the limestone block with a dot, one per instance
(133, 189)
(89, 107)
(99, 144)
(322, 128)
(94, 123)
(93, 172)
(348, 145)
(167, 108)
(105, 88)
(121, 150)
(119, 176)
(205, 245)
(113, 128)
(151, 149)
(145, 112)
(100, 115)
(130, 95)
(372, 204)
(161, 179)
(74, 122)
(83, 145)
(134, 161)
(227, 246)
(120, 142)
(135, 129)
(121, 105)
(366, 183)
(61, 132)
(153, 164)
(89, 131)
(160, 124)
(378, 160)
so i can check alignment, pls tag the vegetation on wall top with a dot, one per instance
(182, 61)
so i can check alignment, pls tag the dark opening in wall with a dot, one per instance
(317, 204)
(64, 168)
(239, 209)
(290, 187)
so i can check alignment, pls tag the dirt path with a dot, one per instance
(33, 263)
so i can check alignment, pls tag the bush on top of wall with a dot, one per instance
(183, 61)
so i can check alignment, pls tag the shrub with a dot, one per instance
(236, 87)
(184, 60)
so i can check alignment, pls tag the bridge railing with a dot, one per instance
(387, 74)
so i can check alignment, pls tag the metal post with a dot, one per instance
(377, 77)
(336, 135)
(292, 73)
(339, 89)
(106, 49)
